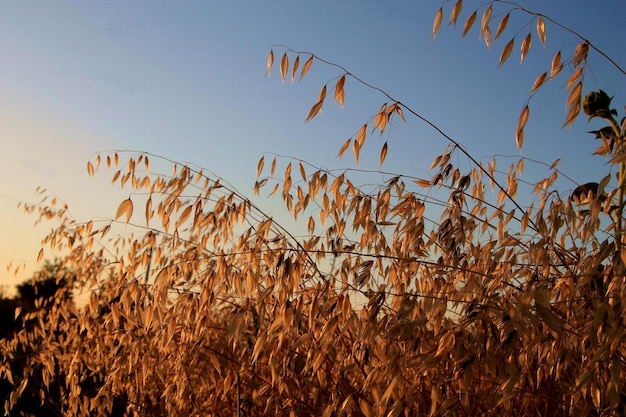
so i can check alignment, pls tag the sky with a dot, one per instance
(186, 80)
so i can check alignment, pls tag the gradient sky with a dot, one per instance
(186, 80)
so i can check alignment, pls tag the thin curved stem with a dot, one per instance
(567, 29)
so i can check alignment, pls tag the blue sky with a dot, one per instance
(186, 80)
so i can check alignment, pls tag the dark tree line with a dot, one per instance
(35, 295)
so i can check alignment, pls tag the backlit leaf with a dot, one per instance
(573, 111)
(258, 185)
(302, 171)
(502, 26)
(125, 209)
(90, 169)
(391, 387)
(356, 149)
(259, 167)
(435, 162)
(423, 183)
(270, 62)
(149, 213)
(344, 147)
(445, 342)
(468, 24)
(575, 94)
(306, 66)
(521, 123)
(596, 396)
(296, 64)
(273, 167)
(273, 192)
(381, 119)
(115, 176)
(40, 255)
(580, 55)
(360, 136)
(541, 30)
(184, 216)
(259, 346)
(484, 24)
(539, 81)
(287, 171)
(506, 52)
(456, 11)
(524, 222)
(339, 93)
(435, 398)
(556, 65)
(398, 110)
(555, 163)
(437, 22)
(284, 66)
(322, 95)
(487, 36)
(525, 47)
(314, 110)
(574, 78)
(365, 407)
(383, 154)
